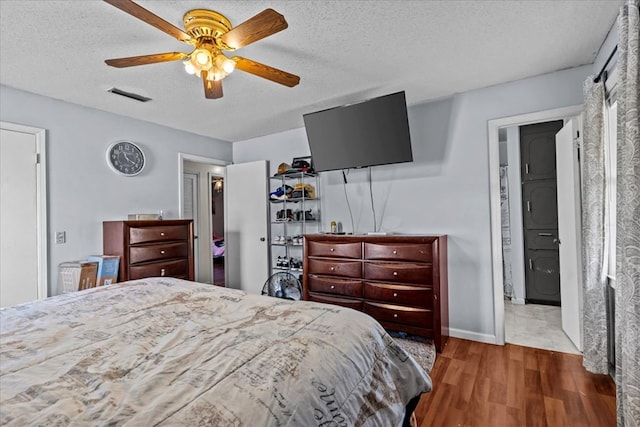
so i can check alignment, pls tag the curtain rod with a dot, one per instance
(604, 67)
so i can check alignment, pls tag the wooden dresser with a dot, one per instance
(151, 248)
(401, 281)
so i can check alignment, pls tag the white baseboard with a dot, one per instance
(473, 336)
(517, 301)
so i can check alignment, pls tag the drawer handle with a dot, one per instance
(395, 315)
(333, 268)
(331, 250)
(395, 294)
(162, 272)
(395, 252)
(162, 234)
(162, 252)
(395, 273)
(333, 287)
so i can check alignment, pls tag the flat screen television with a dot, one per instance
(368, 133)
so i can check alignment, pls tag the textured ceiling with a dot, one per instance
(343, 51)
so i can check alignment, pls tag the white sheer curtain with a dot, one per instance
(628, 220)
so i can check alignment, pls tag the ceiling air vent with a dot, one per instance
(128, 94)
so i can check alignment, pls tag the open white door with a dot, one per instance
(569, 224)
(246, 226)
(23, 215)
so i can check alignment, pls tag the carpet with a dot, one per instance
(421, 349)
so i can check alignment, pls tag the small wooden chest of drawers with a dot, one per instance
(401, 281)
(150, 248)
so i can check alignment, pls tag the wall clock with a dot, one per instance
(126, 158)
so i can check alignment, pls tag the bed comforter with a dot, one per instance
(172, 352)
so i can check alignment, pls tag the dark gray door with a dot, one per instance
(540, 212)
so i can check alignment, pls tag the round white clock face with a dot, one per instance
(125, 158)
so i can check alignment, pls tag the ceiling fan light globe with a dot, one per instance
(224, 64)
(202, 57)
(228, 65)
(189, 68)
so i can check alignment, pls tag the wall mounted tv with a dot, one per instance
(368, 133)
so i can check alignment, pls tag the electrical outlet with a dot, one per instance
(61, 237)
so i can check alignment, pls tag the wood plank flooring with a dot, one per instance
(476, 384)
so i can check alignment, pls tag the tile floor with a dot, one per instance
(538, 326)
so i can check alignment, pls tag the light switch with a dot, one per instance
(61, 237)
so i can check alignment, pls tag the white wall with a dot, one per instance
(82, 189)
(445, 190)
(606, 48)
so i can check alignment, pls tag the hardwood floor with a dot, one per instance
(476, 384)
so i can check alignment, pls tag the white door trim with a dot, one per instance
(494, 199)
(41, 202)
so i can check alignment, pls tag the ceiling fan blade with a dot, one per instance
(150, 18)
(264, 24)
(266, 72)
(146, 59)
(212, 88)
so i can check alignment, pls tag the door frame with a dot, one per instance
(182, 157)
(41, 202)
(493, 127)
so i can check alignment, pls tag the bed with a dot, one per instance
(217, 247)
(167, 352)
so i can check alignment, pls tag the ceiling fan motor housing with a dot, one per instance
(206, 26)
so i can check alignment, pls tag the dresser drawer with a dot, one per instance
(352, 288)
(344, 302)
(399, 272)
(335, 250)
(161, 251)
(157, 234)
(416, 296)
(178, 268)
(398, 252)
(419, 317)
(335, 267)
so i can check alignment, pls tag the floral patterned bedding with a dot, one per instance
(168, 352)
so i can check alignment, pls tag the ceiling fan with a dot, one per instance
(211, 34)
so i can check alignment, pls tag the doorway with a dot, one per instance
(531, 243)
(245, 221)
(494, 127)
(198, 201)
(533, 316)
